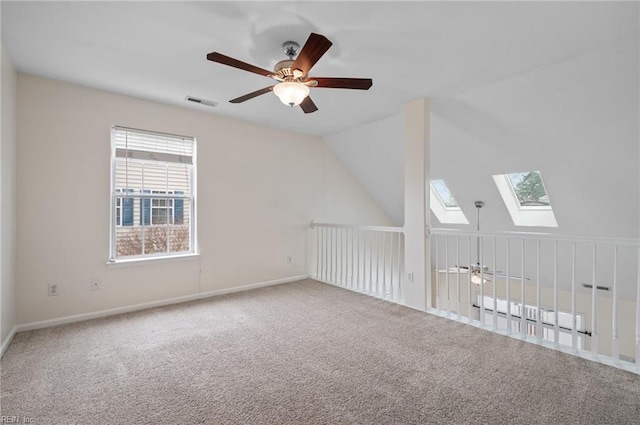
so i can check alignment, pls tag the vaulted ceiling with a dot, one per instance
(157, 50)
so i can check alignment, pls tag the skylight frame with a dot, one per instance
(514, 193)
(527, 215)
(438, 196)
(444, 214)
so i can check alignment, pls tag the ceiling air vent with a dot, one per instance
(202, 101)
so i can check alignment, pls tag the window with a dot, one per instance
(529, 189)
(444, 195)
(153, 194)
(444, 205)
(525, 196)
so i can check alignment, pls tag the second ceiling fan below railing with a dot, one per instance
(479, 271)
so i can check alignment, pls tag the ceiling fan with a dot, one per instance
(480, 271)
(293, 75)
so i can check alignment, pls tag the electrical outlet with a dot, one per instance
(410, 276)
(53, 290)
(289, 259)
(95, 284)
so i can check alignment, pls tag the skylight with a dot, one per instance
(444, 205)
(526, 198)
(443, 193)
(529, 189)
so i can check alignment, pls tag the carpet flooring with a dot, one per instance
(303, 352)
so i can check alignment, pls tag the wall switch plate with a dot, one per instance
(410, 276)
(95, 284)
(53, 290)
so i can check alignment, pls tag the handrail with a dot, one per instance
(357, 227)
(535, 235)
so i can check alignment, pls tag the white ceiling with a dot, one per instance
(157, 50)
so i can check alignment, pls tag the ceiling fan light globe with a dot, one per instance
(290, 93)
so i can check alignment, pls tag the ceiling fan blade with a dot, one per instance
(311, 52)
(226, 60)
(499, 274)
(455, 270)
(344, 83)
(308, 106)
(251, 95)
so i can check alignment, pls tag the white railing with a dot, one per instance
(576, 294)
(367, 259)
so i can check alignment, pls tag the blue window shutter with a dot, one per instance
(178, 209)
(127, 210)
(145, 216)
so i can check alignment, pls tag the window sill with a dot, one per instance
(153, 260)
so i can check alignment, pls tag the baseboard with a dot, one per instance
(144, 306)
(7, 341)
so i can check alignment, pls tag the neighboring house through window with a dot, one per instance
(153, 196)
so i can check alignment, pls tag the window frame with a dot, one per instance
(116, 193)
(524, 216)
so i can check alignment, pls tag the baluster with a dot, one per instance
(458, 307)
(400, 263)
(523, 310)
(615, 349)
(638, 316)
(353, 236)
(446, 263)
(594, 308)
(370, 262)
(469, 302)
(556, 313)
(574, 318)
(481, 265)
(384, 264)
(538, 295)
(437, 276)
(509, 326)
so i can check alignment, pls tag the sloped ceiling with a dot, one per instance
(575, 121)
(156, 50)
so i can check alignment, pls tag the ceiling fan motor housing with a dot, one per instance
(290, 48)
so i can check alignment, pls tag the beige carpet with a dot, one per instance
(303, 352)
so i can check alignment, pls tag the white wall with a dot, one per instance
(8, 193)
(258, 190)
(374, 153)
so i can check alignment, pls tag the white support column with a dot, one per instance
(417, 294)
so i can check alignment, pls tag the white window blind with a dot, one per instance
(153, 175)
